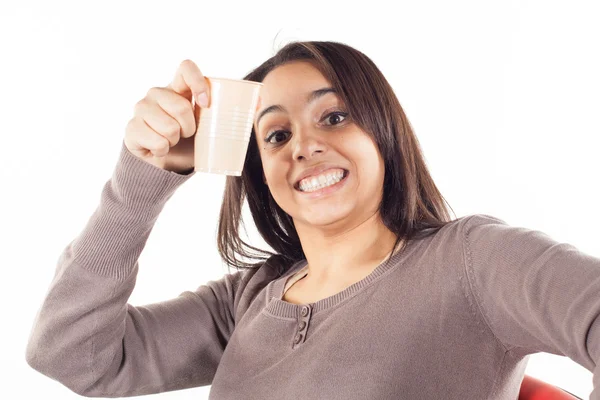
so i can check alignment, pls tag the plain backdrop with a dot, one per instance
(503, 96)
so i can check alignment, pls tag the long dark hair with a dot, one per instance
(412, 207)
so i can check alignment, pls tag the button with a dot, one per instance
(304, 311)
(302, 325)
(298, 338)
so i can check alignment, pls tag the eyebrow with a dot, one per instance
(312, 96)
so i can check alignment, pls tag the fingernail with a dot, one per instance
(203, 100)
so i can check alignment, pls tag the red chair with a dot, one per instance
(534, 389)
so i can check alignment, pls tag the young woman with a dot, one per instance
(373, 292)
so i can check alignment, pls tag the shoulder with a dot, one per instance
(456, 231)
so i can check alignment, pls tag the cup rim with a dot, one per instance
(235, 80)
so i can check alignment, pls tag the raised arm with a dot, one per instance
(89, 338)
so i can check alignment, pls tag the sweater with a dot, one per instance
(454, 315)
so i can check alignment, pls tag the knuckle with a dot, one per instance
(131, 126)
(137, 108)
(181, 108)
(158, 144)
(163, 144)
(187, 63)
(172, 129)
(153, 91)
(190, 127)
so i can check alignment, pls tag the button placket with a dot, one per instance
(305, 312)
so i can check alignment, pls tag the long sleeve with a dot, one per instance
(535, 294)
(86, 335)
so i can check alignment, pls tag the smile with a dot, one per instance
(325, 190)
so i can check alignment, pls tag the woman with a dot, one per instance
(372, 292)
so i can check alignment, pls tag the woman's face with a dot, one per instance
(315, 133)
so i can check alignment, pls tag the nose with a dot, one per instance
(306, 143)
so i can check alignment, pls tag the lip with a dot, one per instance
(314, 171)
(326, 190)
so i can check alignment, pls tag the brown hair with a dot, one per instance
(412, 207)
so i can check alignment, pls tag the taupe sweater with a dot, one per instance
(453, 316)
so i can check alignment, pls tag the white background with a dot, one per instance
(503, 96)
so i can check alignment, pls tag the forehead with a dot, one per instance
(291, 82)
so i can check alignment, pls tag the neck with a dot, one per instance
(347, 256)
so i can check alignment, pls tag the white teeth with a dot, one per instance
(316, 183)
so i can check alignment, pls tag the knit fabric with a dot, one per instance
(452, 316)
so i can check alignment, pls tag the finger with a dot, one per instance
(189, 81)
(142, 140)
(161, 122)
(172, 104)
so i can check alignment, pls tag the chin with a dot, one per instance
(323, 216)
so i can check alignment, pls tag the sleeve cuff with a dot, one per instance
(136, 181)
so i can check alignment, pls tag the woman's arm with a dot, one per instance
(89, 338)
(535, 294)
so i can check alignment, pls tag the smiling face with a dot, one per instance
(307, 131)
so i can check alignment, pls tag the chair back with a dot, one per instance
(535, 389)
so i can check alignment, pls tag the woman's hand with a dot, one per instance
(165, 121)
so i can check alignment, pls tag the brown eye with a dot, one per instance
(336, 115)
(276, 133)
